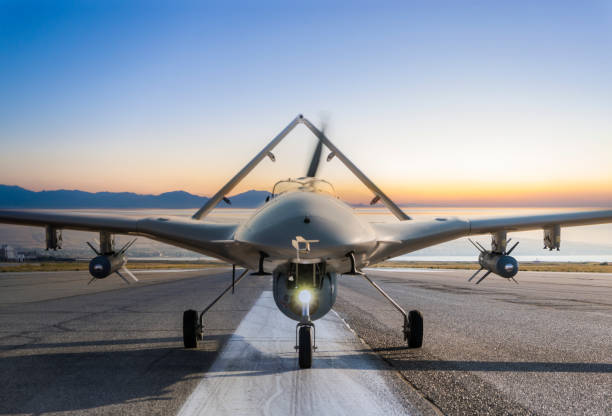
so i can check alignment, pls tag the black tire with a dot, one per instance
(415, 329)
(305, 347)
(190, 328)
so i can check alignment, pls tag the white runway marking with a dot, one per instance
(257, 372)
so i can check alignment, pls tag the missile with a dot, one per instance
(103, 266)
(501, 264)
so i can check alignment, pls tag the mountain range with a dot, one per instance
(16, 197)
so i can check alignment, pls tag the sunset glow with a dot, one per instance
(444, 104)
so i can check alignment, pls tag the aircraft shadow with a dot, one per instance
(253, 362)
(98, 343)
(59, 381)
(501, 366)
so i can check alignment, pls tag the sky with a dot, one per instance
(438, 102)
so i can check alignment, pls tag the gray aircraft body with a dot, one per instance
(305, 237)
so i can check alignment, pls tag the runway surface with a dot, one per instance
(541, 347)
(256, 372)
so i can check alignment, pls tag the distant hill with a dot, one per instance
(17, 197)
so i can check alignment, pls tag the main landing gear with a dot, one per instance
(413, 320)
(193, 327)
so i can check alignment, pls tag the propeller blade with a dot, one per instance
(474, 275)
(129, 273)
(123, 277)
(316, 156)
(314, 162)
(474, 244)
(511, 249)
(90, 282)
(93, 248)
(482, 278)
(512, 278)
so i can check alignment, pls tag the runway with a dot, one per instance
(256, 372)
(541, 347)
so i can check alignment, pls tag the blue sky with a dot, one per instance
(436, 101)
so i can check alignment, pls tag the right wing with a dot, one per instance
(215, 240)
(404, 237)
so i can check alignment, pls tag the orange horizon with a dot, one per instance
(433, 193)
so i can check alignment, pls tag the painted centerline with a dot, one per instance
(257, 372)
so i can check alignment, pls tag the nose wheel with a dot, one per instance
(305, 335)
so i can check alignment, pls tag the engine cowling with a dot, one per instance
(292, 279)
(103, 266)
(500, 264)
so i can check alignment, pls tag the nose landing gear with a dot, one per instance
(305, 343)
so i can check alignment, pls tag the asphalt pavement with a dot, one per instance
(541, 347)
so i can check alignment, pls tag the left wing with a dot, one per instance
(395, 239)
(211, 239)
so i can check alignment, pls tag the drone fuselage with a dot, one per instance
(313, 216)
(332, 231)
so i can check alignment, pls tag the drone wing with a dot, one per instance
(404, 237)
(212, 239)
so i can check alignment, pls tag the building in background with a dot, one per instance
(8, 253)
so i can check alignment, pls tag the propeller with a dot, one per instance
(316, 156)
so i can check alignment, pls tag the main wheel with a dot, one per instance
(305, 347)
(415, 329)
(190, 328)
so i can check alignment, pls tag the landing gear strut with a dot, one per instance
(193, 327)
(305, 340)
(413, 321)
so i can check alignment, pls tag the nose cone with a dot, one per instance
(312, 216)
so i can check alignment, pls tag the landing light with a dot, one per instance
(304, 296)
